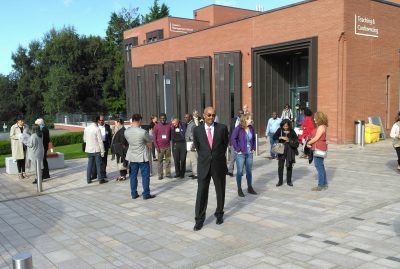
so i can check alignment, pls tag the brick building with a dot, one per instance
(337, 56)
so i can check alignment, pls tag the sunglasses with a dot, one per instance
(211, 115)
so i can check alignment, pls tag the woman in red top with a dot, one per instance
(308, 127)
(318, 141)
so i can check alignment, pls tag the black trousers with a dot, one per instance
(202, 196)
(21, 166)
(398, 155)
(281, 165)
(104, 160)
(45, 170)
(179, 152)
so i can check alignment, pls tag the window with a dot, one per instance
(128, 52)
(140, 94)
(157, 83)
(202, 89)
(232, 89)
(178, 93)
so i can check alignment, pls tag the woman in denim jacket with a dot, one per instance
(243, 141)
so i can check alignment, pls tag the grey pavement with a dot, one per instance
(355, 223)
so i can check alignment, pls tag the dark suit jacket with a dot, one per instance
(232, 127)
(46, 138)
(211, 160)
(108, 135)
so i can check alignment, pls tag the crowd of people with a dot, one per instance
(201, 140)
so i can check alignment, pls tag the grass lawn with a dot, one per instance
(73, 151)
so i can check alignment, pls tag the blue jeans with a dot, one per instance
(93, 157)
(145, 171)
(271, 142)
(241, 160)
(319, 165)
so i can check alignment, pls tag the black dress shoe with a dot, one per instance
(198, 226)
(151, 196)
(219, 220)
(89, 181)
(46, 176)
(160, 178)
(230, 174)
(240, 193)
(177, 175)
(135, 196)
(34, 182)
(103, 181)
(290, 184)
(279, 184)
(251, 190)
(194, 177)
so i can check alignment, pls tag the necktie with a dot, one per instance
(209, 136)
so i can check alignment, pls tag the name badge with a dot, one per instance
(177, 130)
(164, 136)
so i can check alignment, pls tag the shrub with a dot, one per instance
(5, 147)
(58, 140)
(67, 139)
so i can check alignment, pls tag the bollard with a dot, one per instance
(22, 260)
(257, 145)
(39, 176)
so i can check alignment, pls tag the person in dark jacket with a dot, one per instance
(119, 147)
(178, 147)
(285, 134)
(243, 141)
(46, 140)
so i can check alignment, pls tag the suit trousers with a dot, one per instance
(166, 152)
(193, 161)
(104, 160)
(179, 152)
(45, 170)
(202, 195)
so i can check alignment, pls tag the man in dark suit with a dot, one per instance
(106, 135)
(46, 140)
(211, 141)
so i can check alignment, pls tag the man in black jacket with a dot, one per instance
(211, 141)
(106, 135)
(46, 140)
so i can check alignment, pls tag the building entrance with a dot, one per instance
(283, 74)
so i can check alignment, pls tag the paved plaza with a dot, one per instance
(353, 224)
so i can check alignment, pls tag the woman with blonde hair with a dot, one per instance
(243, 141)
(318, 144)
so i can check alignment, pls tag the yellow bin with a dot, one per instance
(372, 133)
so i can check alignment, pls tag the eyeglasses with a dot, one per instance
(211, 115)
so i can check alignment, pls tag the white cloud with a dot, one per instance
(67, 3)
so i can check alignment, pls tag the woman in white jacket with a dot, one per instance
(395, 134)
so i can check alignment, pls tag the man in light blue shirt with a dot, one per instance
(272, 125)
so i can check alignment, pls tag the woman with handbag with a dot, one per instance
(395, 135)
(288, 137)
(243, 141)
(119, 147)
(319, 149)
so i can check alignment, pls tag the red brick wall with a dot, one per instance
(342, 73)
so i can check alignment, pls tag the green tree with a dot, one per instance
(156, 12)
(114, 86)
(9, 107)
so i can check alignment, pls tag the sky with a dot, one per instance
(23, 21)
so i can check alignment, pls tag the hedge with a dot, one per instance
(67, 139)
(58, 140)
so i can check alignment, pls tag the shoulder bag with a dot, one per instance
(278, 148)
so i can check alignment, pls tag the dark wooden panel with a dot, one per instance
(176, 72)
(226, 108)
(194, 66)
(153, 75)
